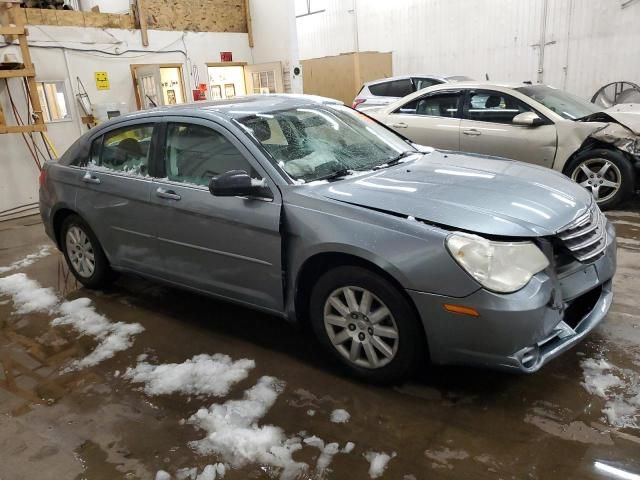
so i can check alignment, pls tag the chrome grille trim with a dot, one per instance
(586, 237)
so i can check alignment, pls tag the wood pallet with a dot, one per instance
(28, 71)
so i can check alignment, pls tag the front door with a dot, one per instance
(114, 196)
(228, 246)
(149, 86)
(432, 119)
(264, 78)
(487, 128)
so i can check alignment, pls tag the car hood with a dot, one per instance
(474, 193)
(626, 114)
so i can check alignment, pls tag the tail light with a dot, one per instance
(357, 102)
(43, 177)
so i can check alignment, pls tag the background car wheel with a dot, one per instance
(607, 174)
(83, 253)
(364, 322)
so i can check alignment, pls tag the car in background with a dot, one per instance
(378, 93)
(315, 213)
(597, 148)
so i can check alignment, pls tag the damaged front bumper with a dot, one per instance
(523, 330)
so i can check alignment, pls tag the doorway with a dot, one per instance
(231, 79)
(158, 84)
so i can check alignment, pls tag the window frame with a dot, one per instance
(160, 173)
(65, 91)
(467, 103)
(458, 114)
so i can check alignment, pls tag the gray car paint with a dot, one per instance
(262, 246)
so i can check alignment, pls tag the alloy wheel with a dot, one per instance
(600, 176)
(80, 251)
(361, 327)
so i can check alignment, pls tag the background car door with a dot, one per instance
(229, 246)
(114, 195)
(433, 119)
(487, 128)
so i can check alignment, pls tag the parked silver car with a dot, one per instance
(378, 93)
(313, 212)
(599, 149)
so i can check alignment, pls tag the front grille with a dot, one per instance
(586, 237)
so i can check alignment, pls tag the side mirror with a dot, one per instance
(234, 183)
(527, 119)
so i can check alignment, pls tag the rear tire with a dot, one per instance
(606, 173)
(84, 254)
(347, 310)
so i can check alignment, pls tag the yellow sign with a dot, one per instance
(102, 81)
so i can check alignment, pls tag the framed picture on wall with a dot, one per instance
(229, 90)
(216, 92)
(171, 97)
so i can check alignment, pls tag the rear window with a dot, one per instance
(379, 89)
(393, 88)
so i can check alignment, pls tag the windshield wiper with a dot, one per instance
(394, 160)
(343, 172)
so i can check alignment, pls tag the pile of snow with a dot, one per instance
(340, 415)
(28, 260)
(200, 375)
(113, 337)
(378, 462)
(619, 387)
(27, 295)
(234, 434)
(210, 472)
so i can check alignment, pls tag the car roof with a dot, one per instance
(232, 108)
(438, 76)
(483, 84)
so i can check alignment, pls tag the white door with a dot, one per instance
(264, 78)
(149, 86)
(432, 119)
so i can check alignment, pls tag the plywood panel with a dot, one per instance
(341, 76)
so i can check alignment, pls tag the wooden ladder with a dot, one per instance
(36, 122)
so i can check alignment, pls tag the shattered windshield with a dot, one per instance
(564, 104)
(320, 141)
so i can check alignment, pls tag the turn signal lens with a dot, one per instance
(42, 178)
(461, 309)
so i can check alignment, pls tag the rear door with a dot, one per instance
(114, 194)
(487, 128)
(228, 246)
(432, 119)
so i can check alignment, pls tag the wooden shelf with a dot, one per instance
(37, 127)
(12, 30)
(21, 72)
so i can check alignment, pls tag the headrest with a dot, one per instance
(261, 129)
(493, 101)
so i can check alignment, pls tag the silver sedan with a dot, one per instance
(313, 212)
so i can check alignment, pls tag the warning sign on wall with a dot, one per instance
(102, 81)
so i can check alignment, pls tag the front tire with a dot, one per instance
(607, 174)
(365, 323)
(83, 253)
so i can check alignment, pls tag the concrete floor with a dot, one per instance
(449, 423)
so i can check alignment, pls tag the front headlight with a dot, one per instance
(499, 266)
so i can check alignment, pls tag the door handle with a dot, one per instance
(170, 194)
(472, 131)
(399, 125)
(90, 178)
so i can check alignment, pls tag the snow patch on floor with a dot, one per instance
(234, 434)
(200, 375)
(442, 458)
(378, 462)
(28, 295)
(113, 337)
(28, 260)
(619, 387)
(340, 415)
(210, 472)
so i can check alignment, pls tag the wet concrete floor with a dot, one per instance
(445, 423)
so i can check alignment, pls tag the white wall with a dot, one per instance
(269, 16)
(587, 43)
